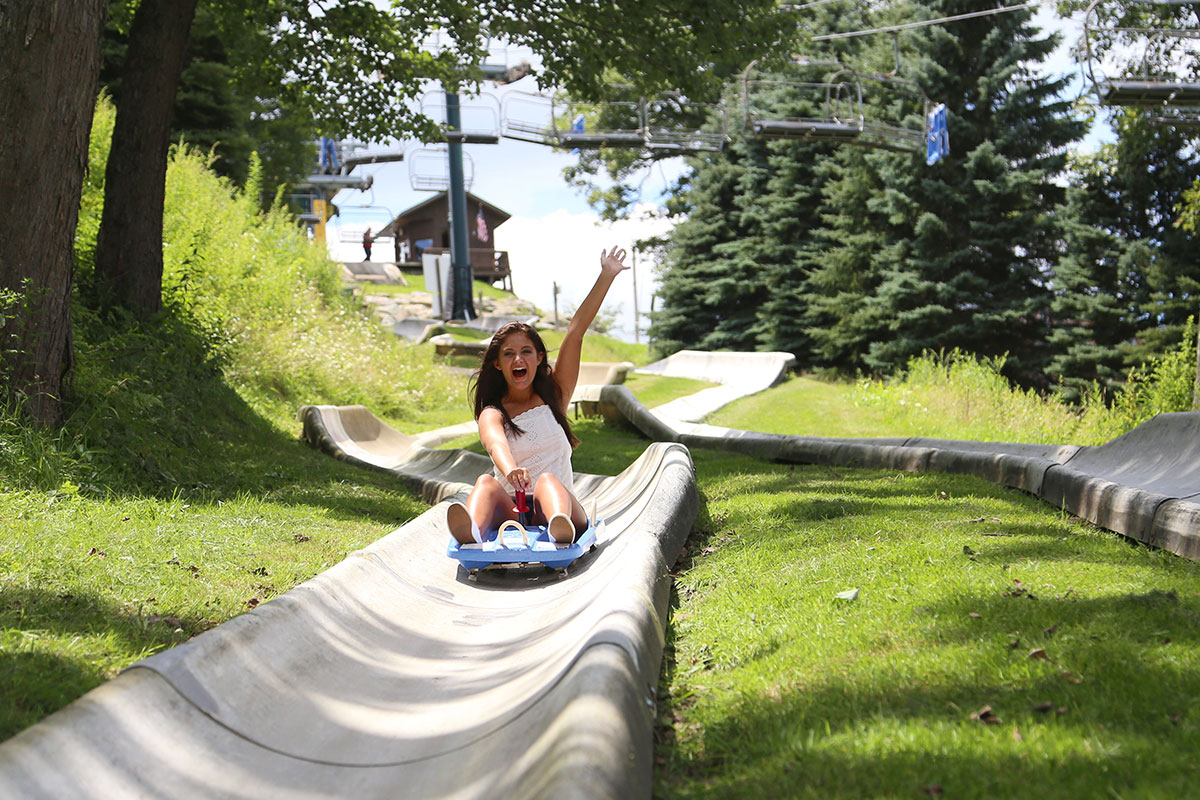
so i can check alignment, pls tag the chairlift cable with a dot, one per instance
(814, 4)
(924, 23)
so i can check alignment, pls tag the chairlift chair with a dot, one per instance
(355, 154)
(480, 118)
(663, 130)
(841, 102)
(832, 92)
(1150, 85)
(607, 123)
(429, 169)
(527, 117)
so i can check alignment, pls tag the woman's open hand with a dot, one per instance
(613, 262)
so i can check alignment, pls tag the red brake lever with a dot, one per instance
(520, 508)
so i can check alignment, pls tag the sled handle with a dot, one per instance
(512, 523)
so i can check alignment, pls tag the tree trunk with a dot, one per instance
(51, 54)
(129, 246)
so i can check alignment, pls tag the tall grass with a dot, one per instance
(959, 395)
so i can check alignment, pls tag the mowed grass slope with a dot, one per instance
(851, 633)
(846, 633)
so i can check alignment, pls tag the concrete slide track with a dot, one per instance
(392, 675)
(1144, 484)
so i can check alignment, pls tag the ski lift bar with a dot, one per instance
(1168, 99)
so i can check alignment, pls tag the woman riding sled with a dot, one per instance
(521, 404)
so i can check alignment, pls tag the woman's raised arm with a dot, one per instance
(566, 365)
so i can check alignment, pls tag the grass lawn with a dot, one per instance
(415, 282)
(965, 596)
(979, 407)
(654, 390)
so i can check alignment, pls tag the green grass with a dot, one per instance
(980, 407)
(415, 282)
(654, 390)
(774, 687)
(806, 406)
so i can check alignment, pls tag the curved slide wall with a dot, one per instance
(1144, 484)
(391, 675)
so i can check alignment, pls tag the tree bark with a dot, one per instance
(51, 64)
(129, 247)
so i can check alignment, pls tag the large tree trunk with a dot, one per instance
(129, 248)
(51, 63)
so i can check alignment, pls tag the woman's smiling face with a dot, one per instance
(518, 359)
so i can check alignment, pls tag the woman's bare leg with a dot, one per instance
(487, 506)
(550, 497)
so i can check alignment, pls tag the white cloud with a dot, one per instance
(564, 248)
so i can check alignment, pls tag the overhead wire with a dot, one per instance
(924, 23)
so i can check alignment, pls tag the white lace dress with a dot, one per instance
(542, 448)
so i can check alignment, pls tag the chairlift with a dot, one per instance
(582, 125)
(341, 156)
(824, 100)
(527, 117)
(352, 225)
(1148, 82)
(480, 118)
(355, 154)
(429, 169)
(663, 115)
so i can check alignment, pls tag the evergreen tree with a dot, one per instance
(843, 261)
(787, 218)
(1129, 277)
(980, 225)
(710, 286)
(1097, 287)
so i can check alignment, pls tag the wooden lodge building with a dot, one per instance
(425, 228)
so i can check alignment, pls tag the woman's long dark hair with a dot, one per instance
(488, 386)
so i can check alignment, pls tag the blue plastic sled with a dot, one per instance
(515, 545)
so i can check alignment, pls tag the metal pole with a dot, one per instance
(460, 255)
(633, 271)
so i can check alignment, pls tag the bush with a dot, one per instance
(1163, 384)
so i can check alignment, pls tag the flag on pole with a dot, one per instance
(481, 231)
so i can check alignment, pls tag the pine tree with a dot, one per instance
(843, 264)
(710, 287)
(981, 229)
(1096, 284)
(1129, 277)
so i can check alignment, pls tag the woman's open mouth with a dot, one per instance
(519, 372)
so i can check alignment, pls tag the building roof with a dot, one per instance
(497, 215)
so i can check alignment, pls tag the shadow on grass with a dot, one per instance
(1109, 709)
(40, 674)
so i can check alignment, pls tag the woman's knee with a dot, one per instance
(547, 485)
(487, 484)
